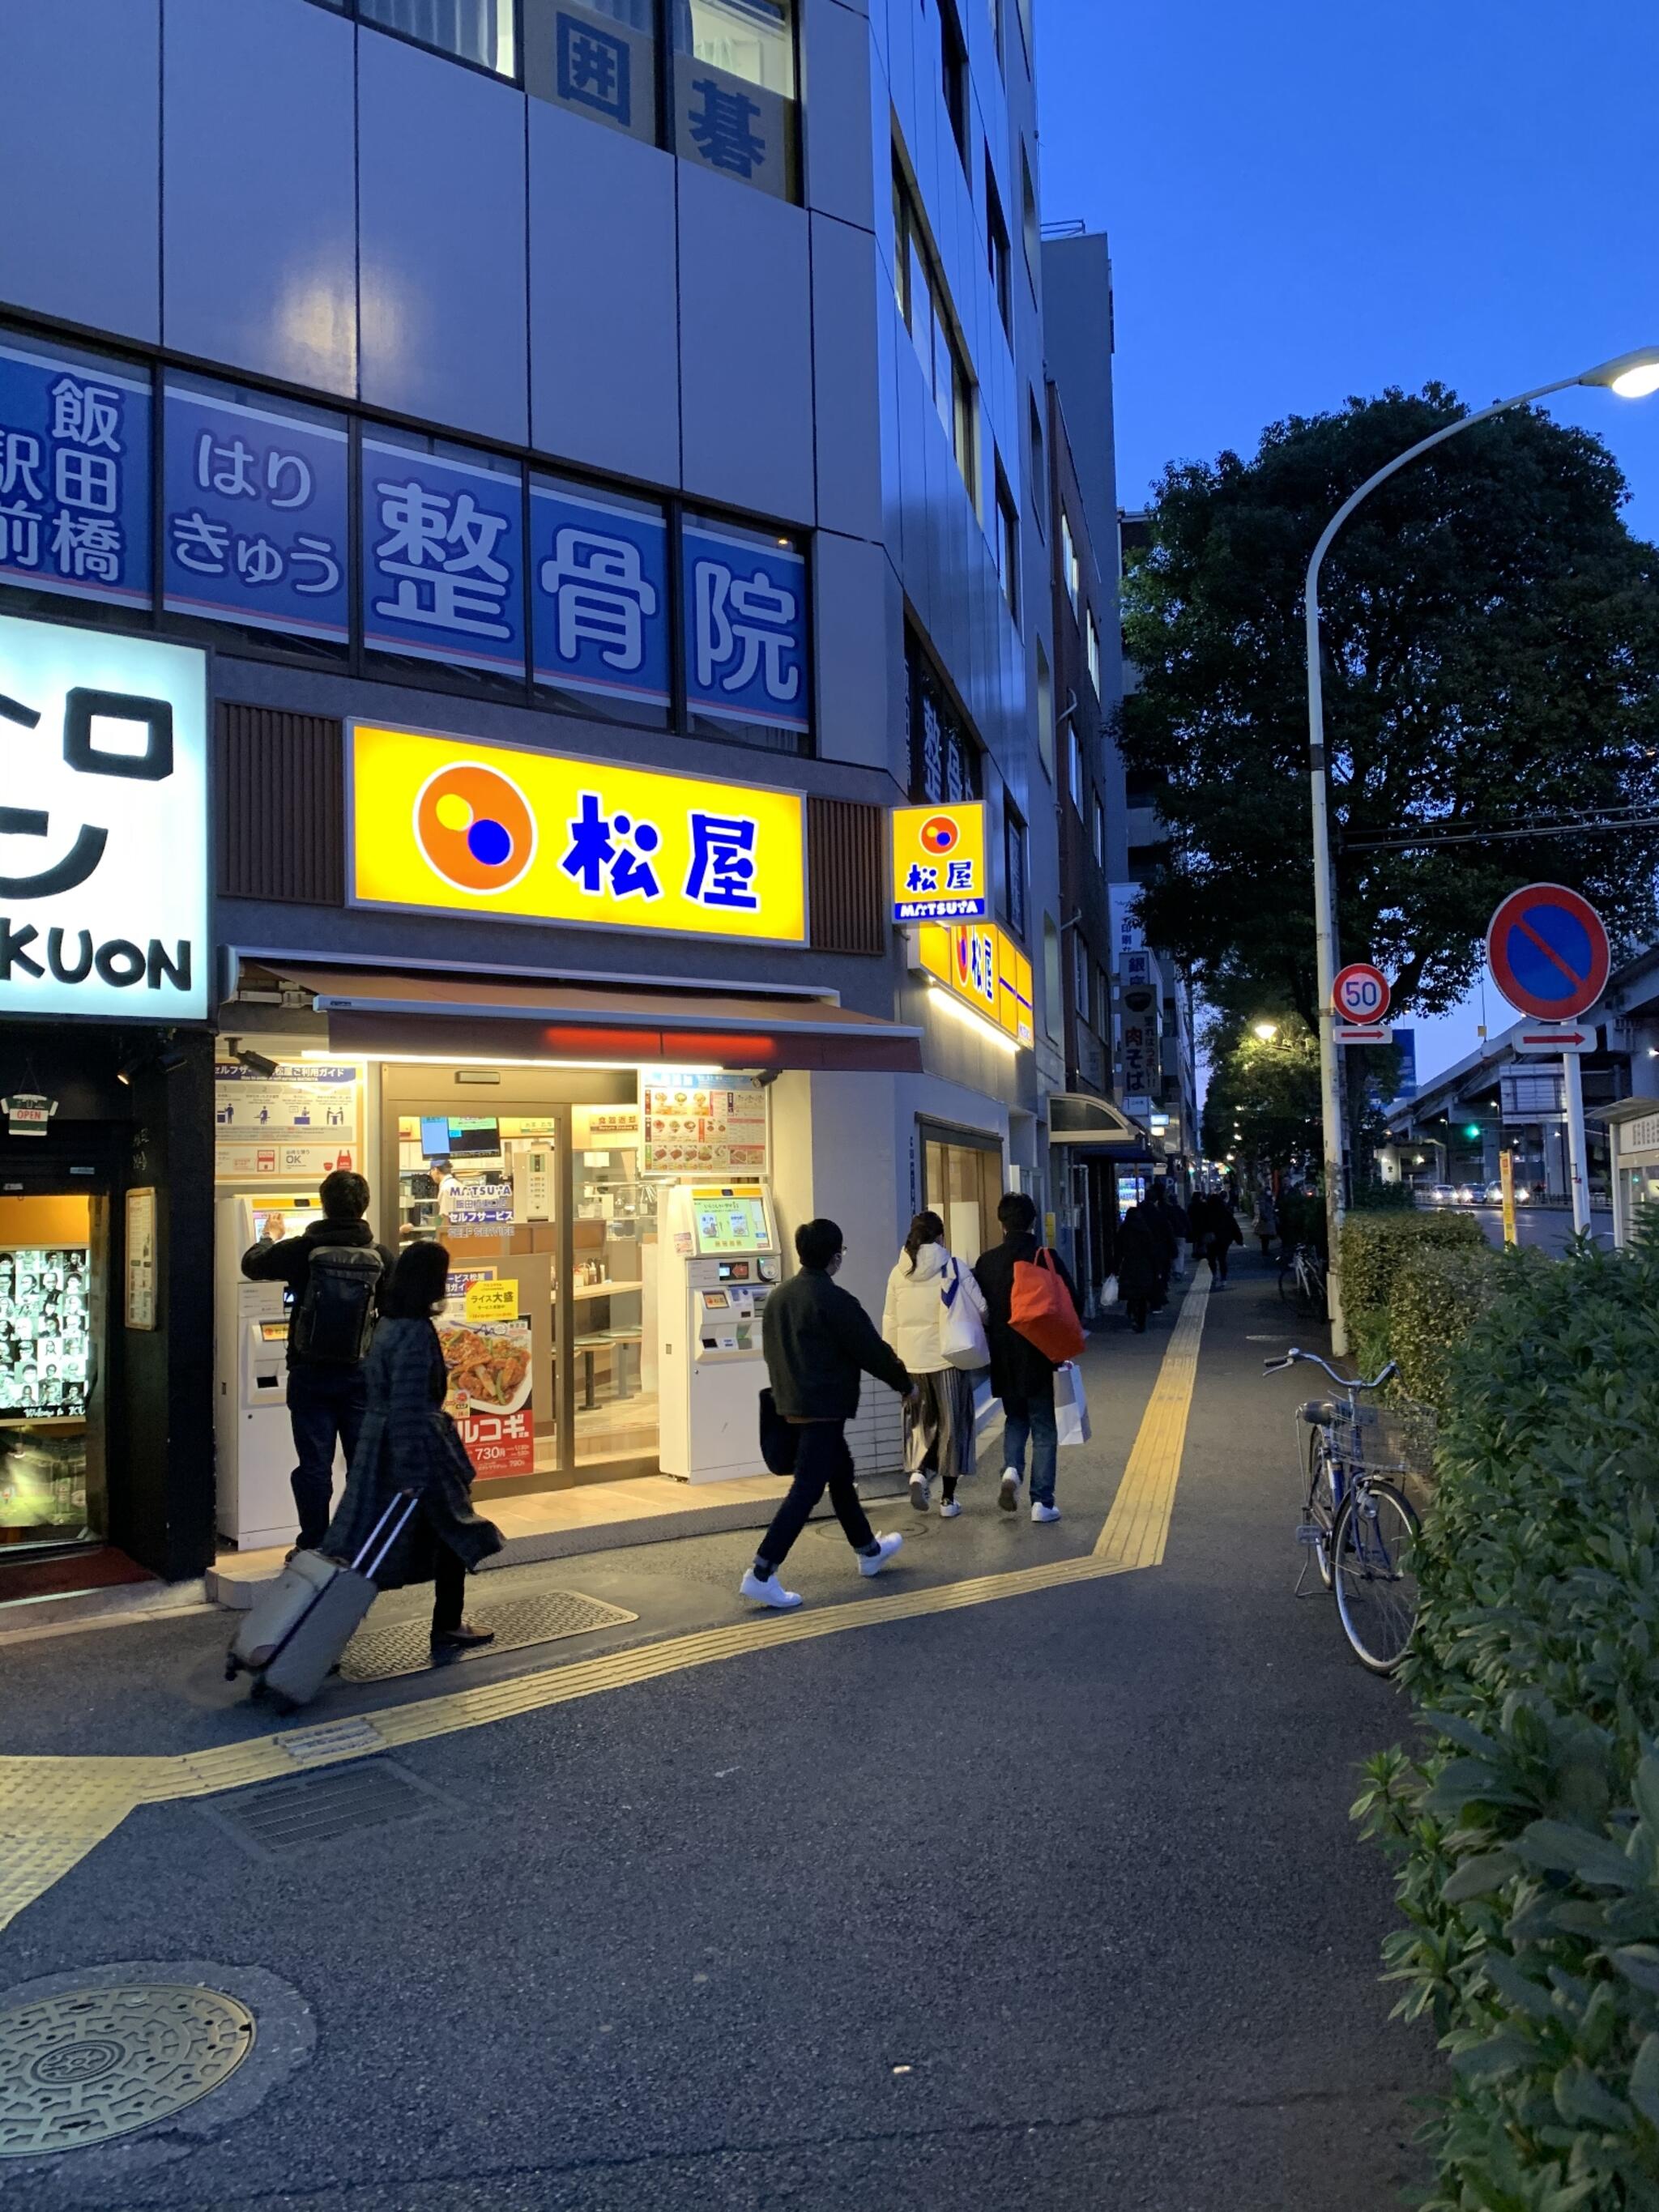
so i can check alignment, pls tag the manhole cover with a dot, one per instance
(76, 2069)
(405, 1647)
(316, 1809)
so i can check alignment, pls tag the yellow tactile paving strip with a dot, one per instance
(1138, 1522)
(54, 1811)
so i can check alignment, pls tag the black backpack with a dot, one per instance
(335, 1317)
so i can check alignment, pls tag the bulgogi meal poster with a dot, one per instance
(490, 1395)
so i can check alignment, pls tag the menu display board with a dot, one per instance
(141, 1259)
(698, 1120)
(490, 1378)
(303, 1121)
(731, 1221)
(45, 1334)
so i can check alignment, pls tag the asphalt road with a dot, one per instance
(1052, 1901)
(1544, 1228)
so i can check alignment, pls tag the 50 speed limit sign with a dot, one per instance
(1360, 993)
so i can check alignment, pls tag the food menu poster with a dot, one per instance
(490, 1375)
(45, 1334)
(698, 1120)
(305, 1120)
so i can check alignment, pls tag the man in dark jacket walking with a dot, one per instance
(327, 1392)
(818, 1340)
(1022, 1376)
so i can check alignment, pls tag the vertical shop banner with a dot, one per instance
(141, 1260)
(74, 479)
(490, 1375)
(600, 596)
(443, 559)
(744, 613)
(255, 523)
(305, 1120)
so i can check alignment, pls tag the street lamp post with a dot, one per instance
(1632, 376)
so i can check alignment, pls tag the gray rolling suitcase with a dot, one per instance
(297, 1630)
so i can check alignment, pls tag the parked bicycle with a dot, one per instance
(1302, 1281)
(1359, 1526)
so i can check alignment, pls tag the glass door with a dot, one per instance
(613, 1301)
(52, 1302)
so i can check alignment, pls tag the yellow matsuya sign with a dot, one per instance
(439, 823)
(938, 863)
(983, 966)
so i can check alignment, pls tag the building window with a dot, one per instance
(995, 8)
(1082, 978)
(953, 55)
(1028, 216)
(479, 31)
(926, 306)
(1074, 766)
(1068, 562)
(601, 614)
(1045, 705)
(1092, 641)
(734, 89)
(1013, 870)
(944, 755)
(745, 602)
(1037, 467)
(1007, 543)
(997, 249)
(1051, 977)
(1100, 833)
(443, 555)
(596, 57)
(74, 479)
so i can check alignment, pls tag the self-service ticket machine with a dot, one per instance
(718, 1258)
(253, 1443)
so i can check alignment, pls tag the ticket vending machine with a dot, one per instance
(718, 1258)
(253, 1443)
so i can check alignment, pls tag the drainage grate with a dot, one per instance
(404, 1647)
(314, 1808)
(75, 2070)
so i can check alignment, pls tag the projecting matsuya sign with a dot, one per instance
(103, 824)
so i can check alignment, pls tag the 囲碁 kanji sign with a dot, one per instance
(443, 558)
(103, 824)
(254, 529)
(444, 825)
(938, 863)
(74, 479)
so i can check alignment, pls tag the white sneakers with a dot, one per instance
(1008, 1496)
(920, 1491)
(770, 1592)
(949, 1508)
(888, 1545)
(1041, 1512)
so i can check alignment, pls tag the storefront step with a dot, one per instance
(556, 1524)
(93, 1607)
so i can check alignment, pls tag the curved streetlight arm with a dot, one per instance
(1325, 945)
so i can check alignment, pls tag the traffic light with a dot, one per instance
(1472, 1131)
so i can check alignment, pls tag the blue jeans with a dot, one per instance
(1032, 1417)
(324, 1404)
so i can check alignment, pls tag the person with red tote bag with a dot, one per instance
(1032, 1327)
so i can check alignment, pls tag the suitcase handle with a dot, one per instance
(409, 1499)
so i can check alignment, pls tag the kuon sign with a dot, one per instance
(103, 824)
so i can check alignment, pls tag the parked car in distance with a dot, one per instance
(1470, 1193)
(1438, 1194)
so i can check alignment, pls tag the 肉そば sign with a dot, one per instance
(444, 825)
(103, 824)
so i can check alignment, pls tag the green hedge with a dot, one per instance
(1526, 1819)
(1438, 1296)
(1376, 1246)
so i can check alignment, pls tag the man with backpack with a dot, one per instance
(1022, 1372)
(335, 1276)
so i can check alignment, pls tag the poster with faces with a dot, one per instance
(45, 1332)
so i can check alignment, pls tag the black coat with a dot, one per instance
(818, 1340)
(1141, 1266)
(409, 1443)
(287, 1260)
(1018, 1369)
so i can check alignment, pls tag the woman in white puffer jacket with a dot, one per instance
(938, 1423)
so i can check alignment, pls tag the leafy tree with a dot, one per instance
(1267, 1090)
(1490, 634)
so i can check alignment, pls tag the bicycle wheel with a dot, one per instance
(1376, 1581)
(1287, 1282)
(1319, 1510)
(1311, 1290)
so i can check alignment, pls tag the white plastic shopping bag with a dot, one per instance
(961, 1331)
(1070, 1406)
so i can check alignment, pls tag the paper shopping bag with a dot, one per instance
(1070, 1406)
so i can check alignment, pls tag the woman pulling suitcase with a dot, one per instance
(409, 1443)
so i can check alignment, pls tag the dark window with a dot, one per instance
(1007, 543)
(1028, 215)
(1013, 870)
(1038, 467)
(995, 8)
(954, 68)
(479, 31)
(944, 755)
(997, 249)
(926, 306)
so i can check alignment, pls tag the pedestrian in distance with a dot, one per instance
(1139, 1259)
(336, 1277)
(409, 1443)
(1265, 1220)
(1215, 1231)
(818, 1340)
(1160, 1220)
(939, 1424)
(1022, 1376)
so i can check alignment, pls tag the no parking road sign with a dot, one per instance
(1549, 953)
(1361, 993)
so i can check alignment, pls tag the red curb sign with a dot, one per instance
(1549, 954)
(1361, 993)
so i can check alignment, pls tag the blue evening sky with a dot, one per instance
(1308, 199)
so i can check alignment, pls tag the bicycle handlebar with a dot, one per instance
(1347, 1381)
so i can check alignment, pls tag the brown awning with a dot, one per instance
(375, 1010)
